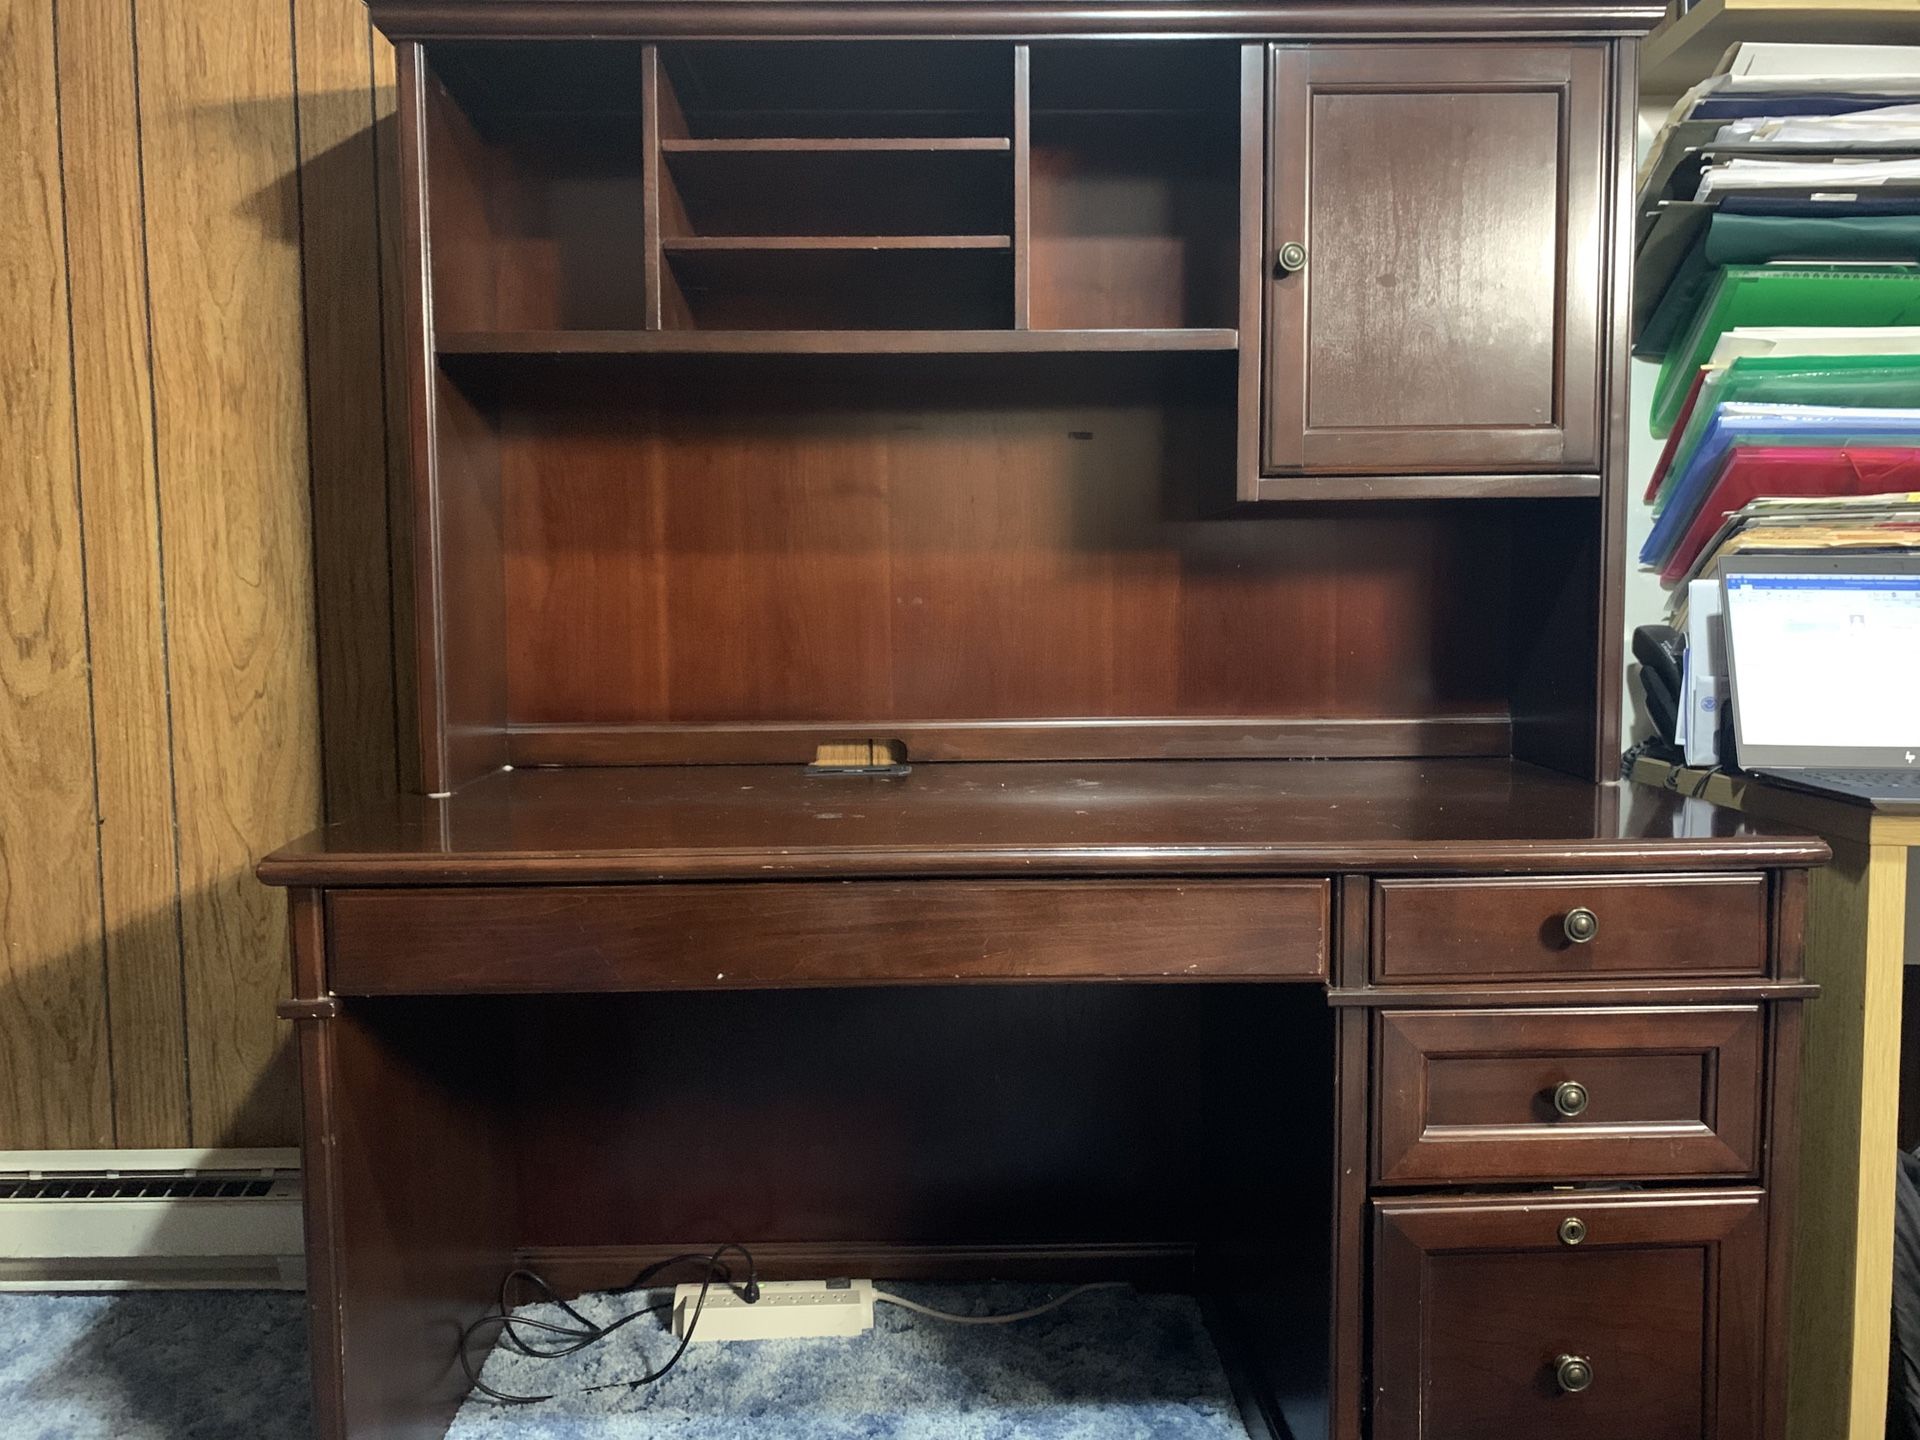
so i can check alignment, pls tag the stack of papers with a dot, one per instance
(1802, 136)
(1836, 176)
(1884, 125)
(1778, 282)
(1888, 523)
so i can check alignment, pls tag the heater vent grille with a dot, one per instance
(138, 1187)
(149, 1219)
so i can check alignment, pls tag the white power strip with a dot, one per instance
(786, 1310)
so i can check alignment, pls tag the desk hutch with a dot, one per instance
(1176, 451)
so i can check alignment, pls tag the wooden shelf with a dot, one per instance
(914, 193)
(805, 145)
(700, 244)
(1683, 51)
(839, 281)
(832, 342)
(1519, 486)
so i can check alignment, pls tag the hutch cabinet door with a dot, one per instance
(1571, 1316)
(1434, 255)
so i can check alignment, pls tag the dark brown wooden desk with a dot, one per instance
(1067, 1020)
(1193, 438)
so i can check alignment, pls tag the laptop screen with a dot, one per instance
(1825, 663)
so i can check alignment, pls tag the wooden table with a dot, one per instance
(1858, 946)
(967, 1021)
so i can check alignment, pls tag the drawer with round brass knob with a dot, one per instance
(1570, 1099)
(1556, 928)
(1567, 1094)
(1573, 1373)
(1489, 1321)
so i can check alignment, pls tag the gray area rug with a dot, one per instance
(209, 1366)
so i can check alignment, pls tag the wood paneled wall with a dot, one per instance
(198, 538)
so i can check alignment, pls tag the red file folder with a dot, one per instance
(1673, 436)
(1776, 471)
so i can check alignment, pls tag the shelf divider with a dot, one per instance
(837, 145)
(662, 212)
(560, 343)
(1022, 186)
(687, 244)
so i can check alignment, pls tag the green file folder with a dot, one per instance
(1784, 295)
(1677, 265)
(1843, 381)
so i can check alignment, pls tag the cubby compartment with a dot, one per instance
(835, 187)
(840, 90)
(1135, 186)
(537, 201)
(893, 186)
(957, 282)
(625, 188)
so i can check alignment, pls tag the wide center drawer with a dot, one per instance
(1648, 1093)
(1428, 931)
(732, 935)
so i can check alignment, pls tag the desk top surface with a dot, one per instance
(1135, 817)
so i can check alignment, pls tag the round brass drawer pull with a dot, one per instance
(1580, 925)
(1572, 1230)
(1574, 1373)
(1570, 1099)
(1292, 258)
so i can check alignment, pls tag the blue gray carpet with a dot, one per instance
(205, 1365)
(1112, 1365)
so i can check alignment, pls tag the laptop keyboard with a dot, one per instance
(1866, 782)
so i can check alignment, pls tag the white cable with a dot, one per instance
(882, 1297)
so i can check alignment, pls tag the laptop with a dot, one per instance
(1823, 656)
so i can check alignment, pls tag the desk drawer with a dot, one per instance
(1560, 928)
(1564, 1095)
(773, 934)
(1488, 1323)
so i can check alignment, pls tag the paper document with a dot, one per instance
(1703, 675)
(1826, 176)
(1888, 125)
(1814, 340)
(1762, 60)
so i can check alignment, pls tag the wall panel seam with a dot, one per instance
(306, 393)
(86, 591)
(160, 547)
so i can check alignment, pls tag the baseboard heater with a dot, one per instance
(150, 1220)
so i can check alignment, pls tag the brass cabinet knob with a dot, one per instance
(1573, 1373)
(1570, 1098)
(1580, 926)
(1572, 1230)
(1292, 258)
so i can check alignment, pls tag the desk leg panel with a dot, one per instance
(410, 1202)
(319, 1169)
(1783, 1183)
(426, 1212)
(1843, 1247)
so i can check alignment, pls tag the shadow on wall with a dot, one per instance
(162, 1031)
(202, 1061)
(347, 200)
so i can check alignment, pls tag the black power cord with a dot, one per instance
(584, 1332)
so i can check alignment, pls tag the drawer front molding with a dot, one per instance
(1650, 1093)
(1569, 927)
(1491, 1320)
(528, 939)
